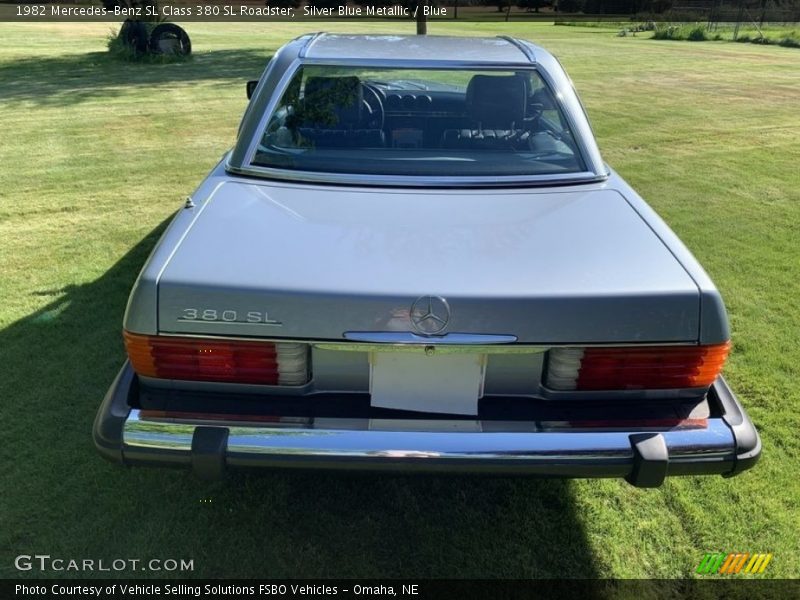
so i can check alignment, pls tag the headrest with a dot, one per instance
(497, 100)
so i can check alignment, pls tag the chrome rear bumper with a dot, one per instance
(727, 445)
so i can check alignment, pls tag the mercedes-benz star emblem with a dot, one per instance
(430, 314)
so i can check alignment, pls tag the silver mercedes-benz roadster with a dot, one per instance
(415, 258)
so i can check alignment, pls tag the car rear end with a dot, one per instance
(383, 288)
(636, 412)
(540, 358)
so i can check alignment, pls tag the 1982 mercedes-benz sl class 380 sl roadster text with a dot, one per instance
(415, 258)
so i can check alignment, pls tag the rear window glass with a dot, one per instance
(418, 122)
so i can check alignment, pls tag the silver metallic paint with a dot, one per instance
(514, 283)
(565, 266)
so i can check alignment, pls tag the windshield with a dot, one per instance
(411, 122)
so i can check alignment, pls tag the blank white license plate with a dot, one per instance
(446, 383)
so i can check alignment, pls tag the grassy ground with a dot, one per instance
(95, 156)
(781, 35)
(787, 35)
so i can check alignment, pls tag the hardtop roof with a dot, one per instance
(494, 50)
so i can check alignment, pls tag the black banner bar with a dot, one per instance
(406, 589)
(322, 10)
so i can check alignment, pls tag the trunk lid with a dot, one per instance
(300, 261)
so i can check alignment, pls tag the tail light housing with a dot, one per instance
(209, 359)
(635, 368)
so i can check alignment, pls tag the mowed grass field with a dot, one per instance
(95, 157)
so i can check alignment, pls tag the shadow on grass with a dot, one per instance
(62, 499)
(73, 78)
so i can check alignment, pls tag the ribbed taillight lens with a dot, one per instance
(209, 359)
(635, 368)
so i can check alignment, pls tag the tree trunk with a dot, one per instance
(422, 19)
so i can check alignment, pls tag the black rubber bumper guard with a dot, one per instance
(209, 444)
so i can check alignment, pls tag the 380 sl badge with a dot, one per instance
(213, 315)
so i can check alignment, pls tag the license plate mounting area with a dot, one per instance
(427, 381)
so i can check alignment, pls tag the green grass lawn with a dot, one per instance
(95, 156)
(782, 35)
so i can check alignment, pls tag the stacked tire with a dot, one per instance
(165, 38)
(168, 38)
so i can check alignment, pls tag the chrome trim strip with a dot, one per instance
(519, 46)
(403, 337)
(417, 347)
(345, 344)
(410, 181)
(312, 39)
(716, 441)
(421, 64)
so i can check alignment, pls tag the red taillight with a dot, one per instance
(205, 359)
(635, 368)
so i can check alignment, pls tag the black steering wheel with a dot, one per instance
(372, 98)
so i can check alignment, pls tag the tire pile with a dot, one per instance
(164, 38)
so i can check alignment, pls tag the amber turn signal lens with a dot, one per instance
(209, 359)
(635, 367)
